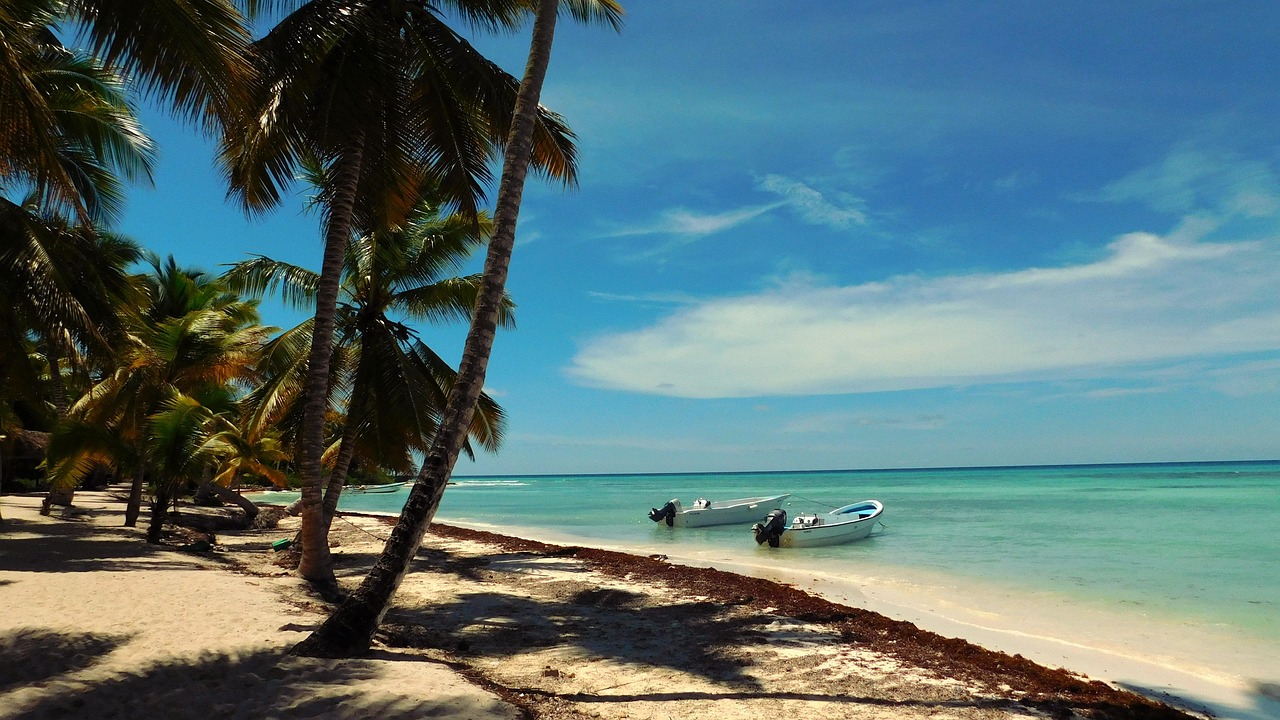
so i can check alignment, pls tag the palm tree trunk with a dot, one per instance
(58, 495)
(316, 564)
(159, 513)
(349, 630)
(346, 452)
(226, 494)
(134, 508)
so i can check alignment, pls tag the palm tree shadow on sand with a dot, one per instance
(259, 684)
(32, 655)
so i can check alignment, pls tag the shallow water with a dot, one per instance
(1190, 543)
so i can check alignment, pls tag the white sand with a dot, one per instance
(97, 624)
(1196, 668)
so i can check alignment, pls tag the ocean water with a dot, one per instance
(1193, 545)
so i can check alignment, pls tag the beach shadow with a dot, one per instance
(1265, 708)
(29, 655)
(1266, 696)
(58, 549)
(697, 638)
(261, 684)
(433, 560)
(835, 698)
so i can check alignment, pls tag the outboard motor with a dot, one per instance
(772, 528)
(668, 513)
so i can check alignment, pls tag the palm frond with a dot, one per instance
(261, 276)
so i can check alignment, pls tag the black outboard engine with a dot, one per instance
(772, 528)
(668, 513)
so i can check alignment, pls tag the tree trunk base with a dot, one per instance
(343, 635)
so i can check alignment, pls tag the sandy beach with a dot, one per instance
(99, 624)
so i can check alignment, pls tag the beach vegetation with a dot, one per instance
(189, 354)
(69, 140)
(188, 54)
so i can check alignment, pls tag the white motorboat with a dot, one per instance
(718, 512)
(388, 488)
(842, 525)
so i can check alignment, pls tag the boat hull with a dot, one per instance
(862, 519)
(393, 487)
(740, 511)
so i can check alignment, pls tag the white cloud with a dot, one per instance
(669, 298)
(810, 204)
(688, 223)
(1150, 299)
(1193, 178)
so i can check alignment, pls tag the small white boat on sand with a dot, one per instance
(842, 525)
(719, 512)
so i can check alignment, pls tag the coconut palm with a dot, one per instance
(236, 450)
(64, 279)
(388, 98)
(62, 273)
(194, 342)
(394, 383)
(58, 312)
(350, 629)
(189, 52)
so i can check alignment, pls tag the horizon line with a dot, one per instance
(875, 470)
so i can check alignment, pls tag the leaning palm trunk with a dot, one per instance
(338, 477)
(226, 494)
(349, 630)
(316, 564)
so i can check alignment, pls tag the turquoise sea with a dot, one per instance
(1197, 544)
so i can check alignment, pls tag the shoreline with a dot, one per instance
(510, 625)
(1192, 668)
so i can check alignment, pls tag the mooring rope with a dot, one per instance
(815, 502)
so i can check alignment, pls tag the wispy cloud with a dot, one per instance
(809, 205)
(812, 206)
(1196, 178)
(692, 224)
(833, 423)
(670, 298)
(1148, 299)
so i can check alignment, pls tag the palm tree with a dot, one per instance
(64, 279)
(395, 384)
(189, 52)
(194, 344)
(349, 630)
(237, 450)
(64, 287)
(387, 97)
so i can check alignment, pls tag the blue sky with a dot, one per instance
(878, 234)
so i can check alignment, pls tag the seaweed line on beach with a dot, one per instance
(1055, 692)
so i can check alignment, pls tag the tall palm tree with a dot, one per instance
(395, 385)
(387, 97)
(350, 629)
